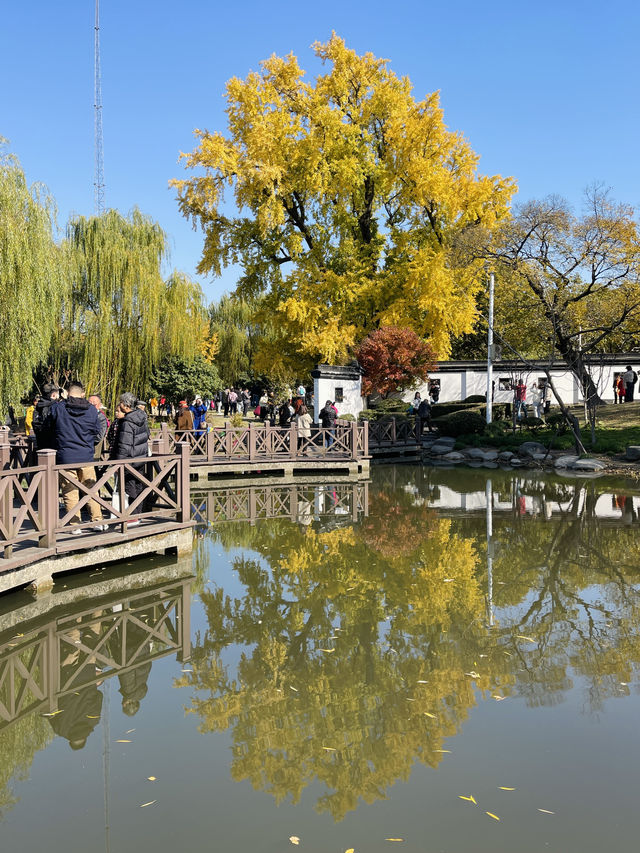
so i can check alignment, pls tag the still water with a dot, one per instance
(428, 661)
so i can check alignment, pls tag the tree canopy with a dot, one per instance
(121, 317)
(393, 359)
(351, 197)
(33, 280)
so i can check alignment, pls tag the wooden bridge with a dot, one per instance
(57, 649)
(38, 539)
(224, 451)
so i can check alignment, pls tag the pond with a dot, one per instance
(433, 660)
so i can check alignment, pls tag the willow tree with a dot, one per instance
(232, 322)
(351, 198)
(32, 278)
(122, 317)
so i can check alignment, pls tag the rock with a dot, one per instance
(505, 455)
(438, 449)
(516, 462)
(490, 455)
(446, 439)
(454, 456)
(475, 453)
(588, 465)
(633, 453)
(541, 457)
(565, 461)
(528, 448)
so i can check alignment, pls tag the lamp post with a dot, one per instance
(490, 352)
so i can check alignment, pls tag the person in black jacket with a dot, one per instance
(42, 427)
(328, 416)
(131, 441)
(74, 423)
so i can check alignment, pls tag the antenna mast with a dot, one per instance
(98, 183)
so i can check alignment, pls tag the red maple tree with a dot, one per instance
(393, 359)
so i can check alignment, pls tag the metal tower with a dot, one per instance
(98, 182)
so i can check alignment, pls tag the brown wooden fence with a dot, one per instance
(255, 442)
(395, 433)
(33, 525)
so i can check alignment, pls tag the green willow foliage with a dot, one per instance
(33, 279)
(231, 320)
(122, 318)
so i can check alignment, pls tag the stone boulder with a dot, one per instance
(475, 453)
(633, 453)
(565, 461)
(440, 448)
(454, 456)
(588, 465)
(528, 448)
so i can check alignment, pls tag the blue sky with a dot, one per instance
(545, 92)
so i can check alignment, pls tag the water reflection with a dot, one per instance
(365, 645)
(56, 652)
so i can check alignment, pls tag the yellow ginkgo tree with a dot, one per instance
(350, 199)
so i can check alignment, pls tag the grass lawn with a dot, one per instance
(617, 426)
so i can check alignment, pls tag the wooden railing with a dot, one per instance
(69, 654)
(255, 442)
(32, 525)
(302, 503)
(393, 433)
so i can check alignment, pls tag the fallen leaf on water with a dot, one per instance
(394, 839)
(427, 714)
(502, 788)
(498, 698)
(123, 741)
(92, 717)
(129, 731)
(448, 580)
(473, 674)
(508, 654)
(422, 681)
(442, 750)
(545, 811)
(150, 803)
(294, 839)
(15, 636)
(328, 749)
(53, 713)
(494, 816)
(295, 689)
(349, 588)
(522, 637)
(470, 798)
(328, 651)
(151, 778)
(350, 850)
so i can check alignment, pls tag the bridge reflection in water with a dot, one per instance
(298, 503)
(54, 662)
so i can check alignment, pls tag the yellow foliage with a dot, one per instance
(352, 196)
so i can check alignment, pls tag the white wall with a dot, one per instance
(325, 389)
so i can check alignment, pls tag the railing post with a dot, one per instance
(5, 449)
(185, 618)
(164, 437)
(365, 437)
(252, 442)
(48, 505)
(354, 439)
(393, 431)
(293, 441)
(210, 443)
(156, 446)
(184, 451)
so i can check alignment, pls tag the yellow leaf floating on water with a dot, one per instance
(498, 698)
(151, 778)
(129, 731)
(53, 713)
(421, 681)
(150, 803)
(470, 798)
(522, 637)
(294, 839)
(502, 788)
(295, 689)
(123, 741)
(442, 750)
(350, 850)
(545, 811)
(328, 748)
(494, 816)
(328, 651)
(92, 717)
(473, 674)
(394, 839)
(427, 714)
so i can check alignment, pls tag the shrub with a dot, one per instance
(461, 423)
(391, 405)
(346, 417)
(236, 420)
(476, 398)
